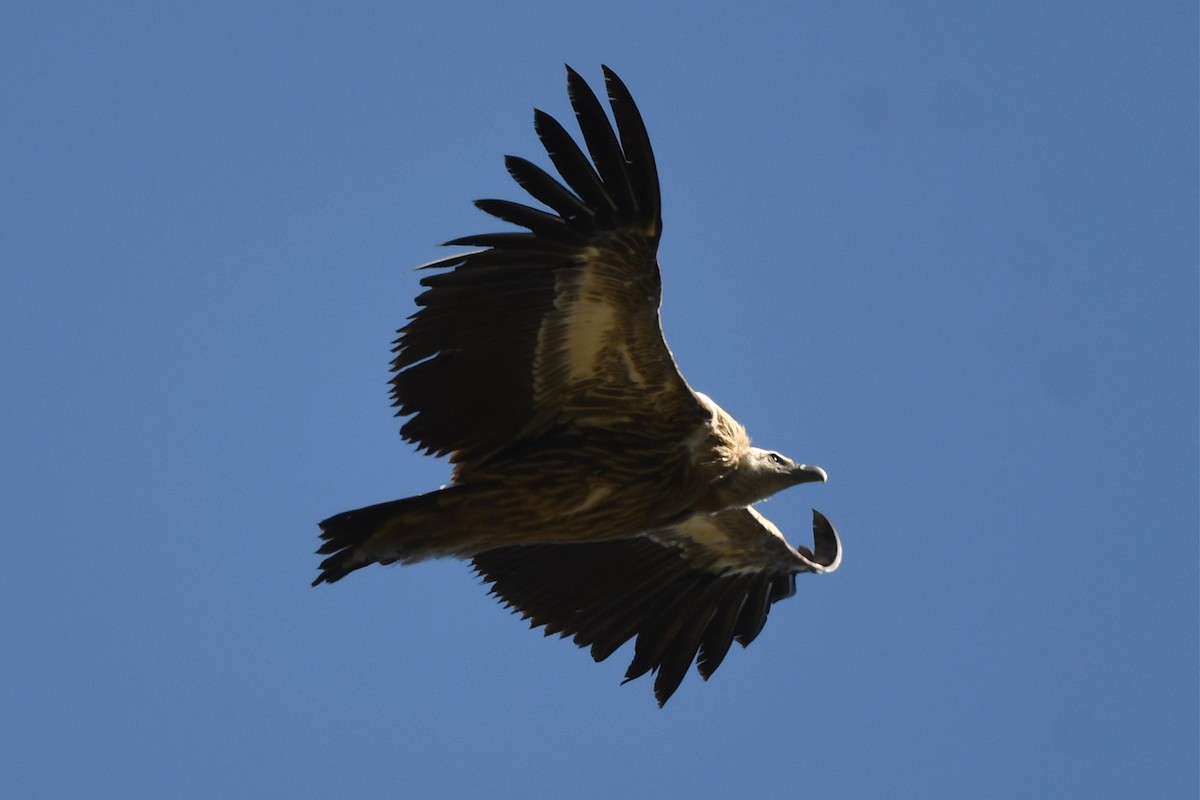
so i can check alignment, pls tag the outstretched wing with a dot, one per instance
(686, 592)
(557, 324)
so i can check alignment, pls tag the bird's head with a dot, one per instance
(775, 471)
(761, 473)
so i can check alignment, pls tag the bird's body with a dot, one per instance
(597, 492)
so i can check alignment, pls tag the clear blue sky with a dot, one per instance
(948, 251)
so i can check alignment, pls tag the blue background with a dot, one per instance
(946, 250)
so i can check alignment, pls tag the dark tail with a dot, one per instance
(400, 530)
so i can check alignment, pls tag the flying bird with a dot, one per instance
(596, 491)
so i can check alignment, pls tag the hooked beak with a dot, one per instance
(808, 473)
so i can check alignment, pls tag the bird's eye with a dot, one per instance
(777, 459)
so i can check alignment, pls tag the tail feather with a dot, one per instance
(399, 530)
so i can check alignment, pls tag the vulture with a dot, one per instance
(598, 494)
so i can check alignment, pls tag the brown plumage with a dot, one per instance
(598, 493)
